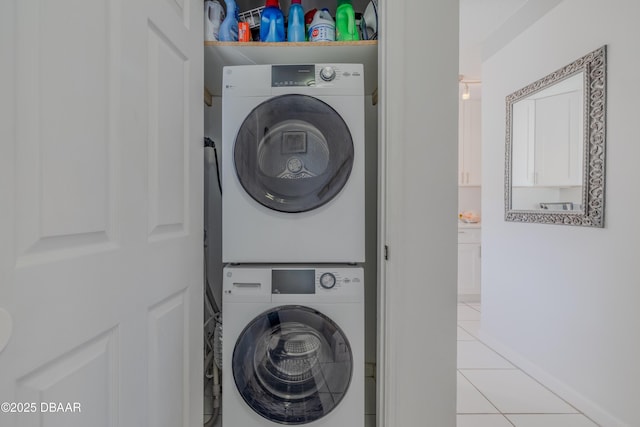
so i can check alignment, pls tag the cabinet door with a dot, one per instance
(522, 147)
(468, 269)
(470, 143)
(558, 140)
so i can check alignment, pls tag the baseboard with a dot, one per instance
(586, 406)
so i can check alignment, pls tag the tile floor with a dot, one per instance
(492, 392)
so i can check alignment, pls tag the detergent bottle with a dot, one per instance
(295, 28)
(213, 17)
(272, 23)
(322, 28)
(229, 28)
(308, 18)
(346, 29)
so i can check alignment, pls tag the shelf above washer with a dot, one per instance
(220, 54)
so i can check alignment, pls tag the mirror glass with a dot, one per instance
(555, 146)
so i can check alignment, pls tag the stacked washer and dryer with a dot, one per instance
(293, 234)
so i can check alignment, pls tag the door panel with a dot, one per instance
(168, 135)
(65, 170)
(292, 365)
(293, 153)
(92, 367)
(101, 211)
(168, 329)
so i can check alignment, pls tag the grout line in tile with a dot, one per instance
(501, 356)
(467, 331)
(472, 307)
(481, 393)
(516, 367)
(534, 379)
(492, 369)
(544, 413)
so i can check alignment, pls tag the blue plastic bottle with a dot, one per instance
(229, 28)
(272, 23)
(295, 28)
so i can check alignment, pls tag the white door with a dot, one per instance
(101, 212)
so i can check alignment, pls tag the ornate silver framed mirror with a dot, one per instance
(555, 146)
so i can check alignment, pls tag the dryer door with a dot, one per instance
(292, 365)
(293, 153)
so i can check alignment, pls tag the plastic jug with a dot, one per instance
(308, 18)
(213, 17)
(322, 28)
(346, 29)
(295, 28)
(229, 28)
(272, 23)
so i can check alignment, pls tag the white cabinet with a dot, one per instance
(559, 140)
(469, 143)
(469, 254)
(547, 149)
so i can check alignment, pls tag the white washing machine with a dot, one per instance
(293, 346)
(293, 163)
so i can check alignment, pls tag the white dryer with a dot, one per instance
(293, 163)
(293, 347)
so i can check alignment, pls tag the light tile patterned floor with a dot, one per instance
(492, 392)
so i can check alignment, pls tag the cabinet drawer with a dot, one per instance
(469, 235)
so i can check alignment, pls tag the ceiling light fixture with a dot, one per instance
(466, 93)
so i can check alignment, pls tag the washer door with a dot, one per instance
(292, 365)
(293, 153)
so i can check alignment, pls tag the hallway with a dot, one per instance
(492, 392)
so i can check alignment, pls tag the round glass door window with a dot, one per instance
(293, 153)
(292, 365)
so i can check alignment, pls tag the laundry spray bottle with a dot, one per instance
(295, 29)
(346, 29)
(229, 28)
(272, 23)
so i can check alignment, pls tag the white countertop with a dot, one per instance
(468, 225)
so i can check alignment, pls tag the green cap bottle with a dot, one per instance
(346, 29)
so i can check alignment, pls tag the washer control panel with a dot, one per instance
(293, 284)
(338, 280)
(317, 76)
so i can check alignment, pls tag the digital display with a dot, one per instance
(293, 282)
(293, 75)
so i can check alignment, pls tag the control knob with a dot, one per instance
(327, 74)
(327, 280)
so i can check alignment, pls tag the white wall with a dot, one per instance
(469, 199)
(567, 299)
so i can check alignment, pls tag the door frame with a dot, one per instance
(406, 27)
